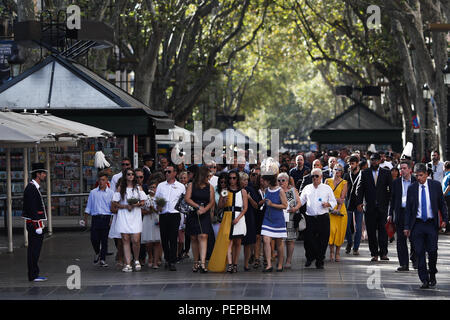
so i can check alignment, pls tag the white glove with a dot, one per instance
(39, 230)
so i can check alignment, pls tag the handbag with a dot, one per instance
(183, 207)
(302, 224)
(390, 229)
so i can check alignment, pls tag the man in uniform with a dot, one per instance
(35, 214)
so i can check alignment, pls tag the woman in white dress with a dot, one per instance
(151, 235)
(128, 200)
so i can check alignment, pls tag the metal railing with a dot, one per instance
(44, 196)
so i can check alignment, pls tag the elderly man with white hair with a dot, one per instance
(213, 179)
(319, 198)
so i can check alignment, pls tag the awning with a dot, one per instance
(163, 123)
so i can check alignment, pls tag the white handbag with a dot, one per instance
(302, 224)
(286, 215)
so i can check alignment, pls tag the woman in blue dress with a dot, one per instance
(274, 225)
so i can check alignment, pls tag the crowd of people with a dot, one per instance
(326, 198)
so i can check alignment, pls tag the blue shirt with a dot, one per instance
(445, 181)
(99, 202)
(406, 184)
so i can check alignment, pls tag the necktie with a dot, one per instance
(424, 204)
(376, 177)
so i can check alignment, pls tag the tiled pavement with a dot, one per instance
(352, 278)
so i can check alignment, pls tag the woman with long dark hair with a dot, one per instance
(234, 202)
(200, 195)
(222, 183)
(128, 200)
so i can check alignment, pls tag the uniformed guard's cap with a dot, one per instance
(38, 167)
(147, 157)
(375, 156)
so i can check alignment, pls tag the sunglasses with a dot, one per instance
(232, 178)
(281, 180)
(211, 167)
(168, 172)
(126, 164)
(140, 177)
(254, 174)
(130, 174)
(315, 176)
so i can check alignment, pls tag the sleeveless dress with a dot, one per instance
(150, 224)
(291, 231)
(250, 237)
(129, 222)
(199, 224)
(274, 225)
(218, 261)
(338, 224)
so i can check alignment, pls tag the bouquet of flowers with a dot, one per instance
(132, 201)
(335, 212)
(160, 202)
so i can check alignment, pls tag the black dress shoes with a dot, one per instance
(425, 285)
(348, 249)
(432, 280)
(308, 263)
(402, 269)
(384, 258)
(319, 265)
(172, 267)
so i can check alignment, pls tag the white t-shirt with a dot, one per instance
(213, 181)
(114, 181)
(386, 165)
(438, 171)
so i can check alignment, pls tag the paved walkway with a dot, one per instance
(355, 277)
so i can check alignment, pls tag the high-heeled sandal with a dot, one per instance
(203, 268)
(234, 268)
(256, 264)
(196, 267)
(230, 268)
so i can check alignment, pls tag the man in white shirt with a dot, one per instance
(437, 166)
(319, 198)
(126, 163)
(386, 159)
(169, 218)
(212, 169)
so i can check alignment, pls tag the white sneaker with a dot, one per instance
(137, 265)
(127, 268)
(103, 263)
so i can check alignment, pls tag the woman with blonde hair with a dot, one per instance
(338, 216)
(293, 201)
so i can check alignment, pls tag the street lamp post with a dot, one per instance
(446, 72)
(426, 98)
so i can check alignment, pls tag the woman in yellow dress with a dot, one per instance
(232, 228)
(338, 218)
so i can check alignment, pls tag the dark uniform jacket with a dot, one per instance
(33, 205)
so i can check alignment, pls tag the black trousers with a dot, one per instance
(33, 252)
(425, 239)
(376, 231)
(402, 241)
(317, 235)
(99, 234)
(168, 225)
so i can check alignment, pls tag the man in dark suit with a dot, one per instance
(375, 187)
(424, 201)
(398, 204)
(35, 215)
